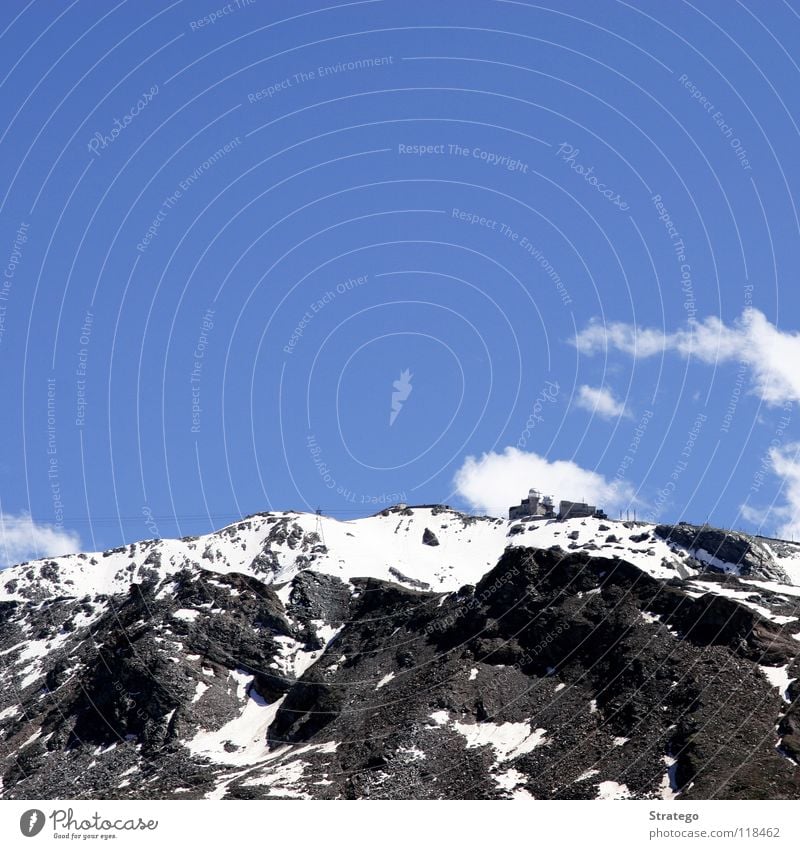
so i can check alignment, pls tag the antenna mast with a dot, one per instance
(318, 528)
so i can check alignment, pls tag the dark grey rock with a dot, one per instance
(429, 537)
(590, 650)
(740, 553)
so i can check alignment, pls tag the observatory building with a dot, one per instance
(538, 506)
(535, 506)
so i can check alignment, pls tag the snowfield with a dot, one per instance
(199, 683)
(389, 546)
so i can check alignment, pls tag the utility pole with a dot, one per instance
(318, 528)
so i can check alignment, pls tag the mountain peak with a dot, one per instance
(295, 655)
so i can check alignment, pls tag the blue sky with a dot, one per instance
(285, 256)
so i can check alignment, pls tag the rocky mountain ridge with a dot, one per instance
(295, 656)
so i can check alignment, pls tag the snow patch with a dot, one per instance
(612, 790)
(281, 780)
(669, 785)
(185, 615)
(199, 690)
(440, 717)
(384, 681)
(508, 739)
(778, 676)
(743, 598)
(522, 795)
(510, 779)
(245, 735)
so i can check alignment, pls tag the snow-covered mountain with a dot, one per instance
(419, 652)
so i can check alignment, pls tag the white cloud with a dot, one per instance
(771, 354)
(23, 539)
(601, 402)
(494, 481)
(636, 341)
(785, 517)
